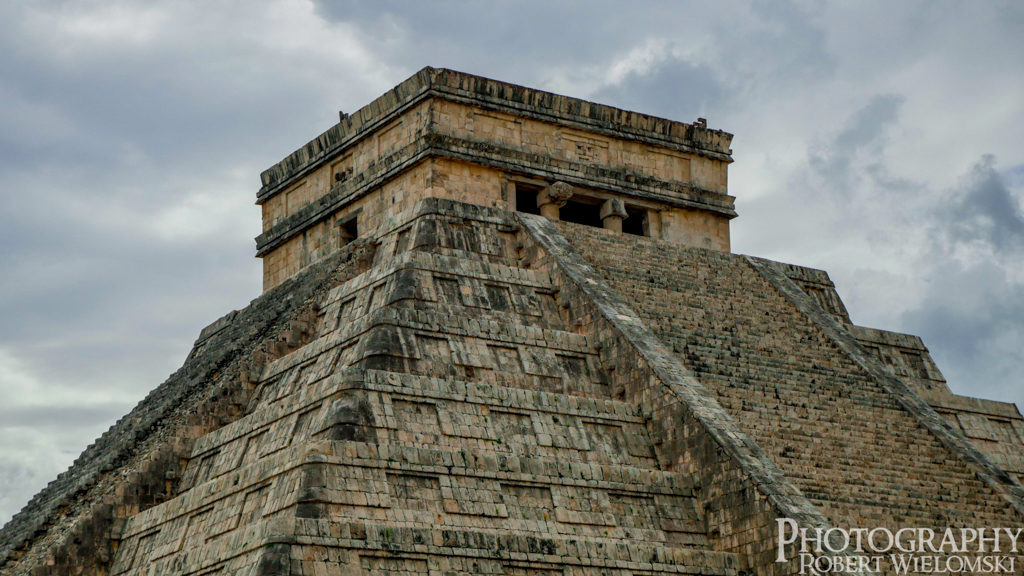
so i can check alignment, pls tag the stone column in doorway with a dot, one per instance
(613, 212)
(552, 198)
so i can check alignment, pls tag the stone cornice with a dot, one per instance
(498, 96)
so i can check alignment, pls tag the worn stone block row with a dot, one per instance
(442, 342)
(406, 410)
(905, 355)
(413, 488)
(817, 285)
(445, 286)
(421, 552)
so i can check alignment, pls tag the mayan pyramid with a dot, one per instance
(502, 333)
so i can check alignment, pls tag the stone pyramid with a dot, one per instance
(502, 333)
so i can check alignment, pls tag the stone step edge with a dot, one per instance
(626, 479)
(411, 319)
(383, 537)
(349, 379)
(278, 535)
(423, 261)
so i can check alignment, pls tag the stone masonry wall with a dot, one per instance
(376, 211)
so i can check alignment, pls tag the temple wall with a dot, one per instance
(451, 179)
(359, 157)
(474, 151)
(695, 228)
(574, 145)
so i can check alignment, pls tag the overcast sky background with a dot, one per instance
(879, 141)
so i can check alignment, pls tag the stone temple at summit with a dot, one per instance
(503, 333)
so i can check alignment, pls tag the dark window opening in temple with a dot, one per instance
(634, 222)
(526, 198)
(581, 213)
(348, 228)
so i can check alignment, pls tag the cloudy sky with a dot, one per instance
(880, 142)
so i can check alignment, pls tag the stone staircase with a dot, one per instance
(834, 430)
(448, 416)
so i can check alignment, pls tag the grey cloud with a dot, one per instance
(126, 318)
(845, 190)
(868, 124)
(985, 210)
(475, 37)
(862, 138)
(752, 48)
(971, 313)
(92, 147)
(21, 481)
(972, 320)
(673, 88)
(71, 417)
(530, 33)
(216, 93)
(790, 44)
(1015, 175)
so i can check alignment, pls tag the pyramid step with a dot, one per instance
(428, 342)
(380, 549)
(353, 463)
(471, 255)
(435, 494)
(403, 409)
(556, 377)
(442, 322)
(504, 304)
(452, 264)
(462, 489)
(499, 364)
(462, 322)
(325, 547)
(492, 237)
(432, 278)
